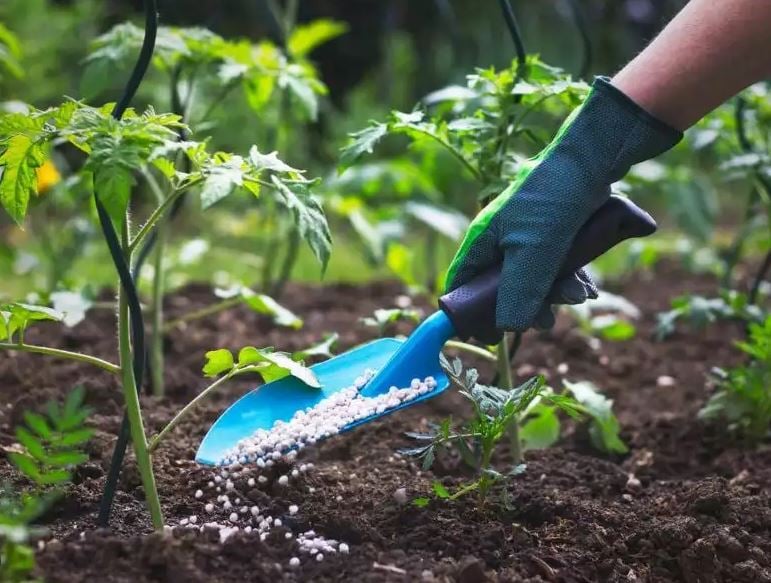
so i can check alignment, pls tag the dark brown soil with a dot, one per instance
(700, 512)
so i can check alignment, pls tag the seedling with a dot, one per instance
(49, 446)
(700, 311)
(383, 318)
(496, 411)
(743, 394)
(609, 317)
(526, 416)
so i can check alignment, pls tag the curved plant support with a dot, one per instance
(132, 346)
(579, 19)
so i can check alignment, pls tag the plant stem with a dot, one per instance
(133, 409)
(92, 360)
(470, 348)
(155, 441)
(505, 382)
(156, 341)
(759, 277)
(293, 248)
(156, 216)
(203, 313)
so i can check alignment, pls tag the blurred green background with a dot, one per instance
(391, 56)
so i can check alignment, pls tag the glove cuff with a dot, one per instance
(616, 130)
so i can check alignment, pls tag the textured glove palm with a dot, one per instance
(530, 225)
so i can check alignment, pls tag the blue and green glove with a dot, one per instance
(529, 227)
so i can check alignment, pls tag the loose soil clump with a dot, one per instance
(686, 503)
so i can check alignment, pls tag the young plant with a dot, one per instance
(119, 150)
(49, 446)
(743, 395)
(699, 311)
(496, 412)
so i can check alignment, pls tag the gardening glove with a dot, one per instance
(530, 226)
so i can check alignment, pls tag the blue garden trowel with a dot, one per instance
(468, 311)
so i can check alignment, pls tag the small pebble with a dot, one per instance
(283, 481)
(293, 509)
(665, 381)
(400, 496)
(233, 517)
(344, 548)
(319, 557)
(198, 493)
(294, 562)
(563, 368)
(209, 507)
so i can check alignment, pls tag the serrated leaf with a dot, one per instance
(217, 362)
(309, 217)
(269, 161)
(440, 490)
(362, 142)
(20, 158)
(222, 181)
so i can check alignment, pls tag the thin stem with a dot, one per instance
(470, 348)
(292, 251)
(759, 277)
(155, 441)
(133, 410)
(156, 215)
(474, 172)
(33, 348)
(156, 340)
(505, 382)
(202, 313)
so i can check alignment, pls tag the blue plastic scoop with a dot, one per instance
(468, 311)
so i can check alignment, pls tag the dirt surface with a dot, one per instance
(697, 508)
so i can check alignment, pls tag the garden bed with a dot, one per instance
(699, 512)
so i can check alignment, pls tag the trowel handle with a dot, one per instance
(471, 307)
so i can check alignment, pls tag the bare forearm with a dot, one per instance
(709, 52)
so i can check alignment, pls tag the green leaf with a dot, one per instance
(323, 348)
(77, 437)
(542, 429)
(440, 490)
(113, 186)
(263, 304)
(269, 162)
(66, 458)
(54, 477)
(26, 465)
(31, 444)
(604, 428)
(613, 328)
(421, 502)
(217, 362)
(308, 216)
(273, 366)
(304, 94)
(20, 158)
(73, 404)
(362, 142)
(222, 181)
(284, 364)
(306, 37)
(38, 424)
